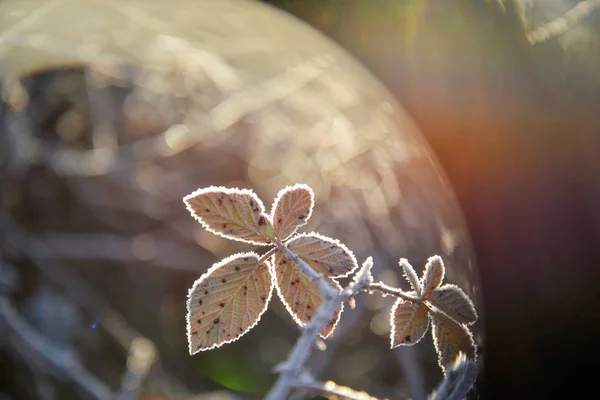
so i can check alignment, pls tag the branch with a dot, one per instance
(458, 381)
(326, 289)
(562, 24)
(290, 371)
(61, 360)
(388, 290)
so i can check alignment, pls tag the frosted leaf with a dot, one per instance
(292, 209)
(433, 274)
(453, 302)
(409, 323)
(325, 255)
(227, 301)
(236, 214)
(300, 296)
(411, 275)
(450, 338)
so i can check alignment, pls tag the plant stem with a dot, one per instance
(291, 370)
(388, 290)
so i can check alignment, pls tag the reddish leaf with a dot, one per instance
(450, 338)
(227, 301)
(325, 255)
(409, 323)
(433, 274)
(292, 209)
(300, 296)
(236, 214)
(453, 302)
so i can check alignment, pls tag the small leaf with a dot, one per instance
(236, 214)
(325, 255)
(227, 301)
(453, 302)
(433, 275)
(292, 209)
(300, 296)
(411, 276)
(450, 338)
(409, 323)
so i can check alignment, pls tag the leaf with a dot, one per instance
(300, 296)
(411, 276)
(236, 214)
(433, 275)
(292, 209)
(227, 301)
(453, 302)
(450, 338)
(325, 255)
(409, 323)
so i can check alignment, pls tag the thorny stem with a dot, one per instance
(291, 370)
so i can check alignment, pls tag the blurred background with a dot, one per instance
(480, 144)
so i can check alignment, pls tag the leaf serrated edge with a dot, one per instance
(331, 240)
(289, 309)
(206, 274)
(465, 297)
(288, 189)
(393, 325)
(223, 189)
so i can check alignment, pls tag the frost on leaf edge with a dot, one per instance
(331, 240)
(226, 190)
(393, 326)
(465, 297)
(280, 195)
(208, 272)
(288, 308)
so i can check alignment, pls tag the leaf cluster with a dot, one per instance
(229, 299)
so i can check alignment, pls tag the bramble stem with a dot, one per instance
(325, 288)
(291, 370)
(388, 290)
(266, 255)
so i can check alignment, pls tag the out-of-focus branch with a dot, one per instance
(330, 389)
(62, 361)
(291, 371)
(562, 24)
(459, 379)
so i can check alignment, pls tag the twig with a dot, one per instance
(63, 361)
(563, 23)
(290, 371)
(388, 290)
